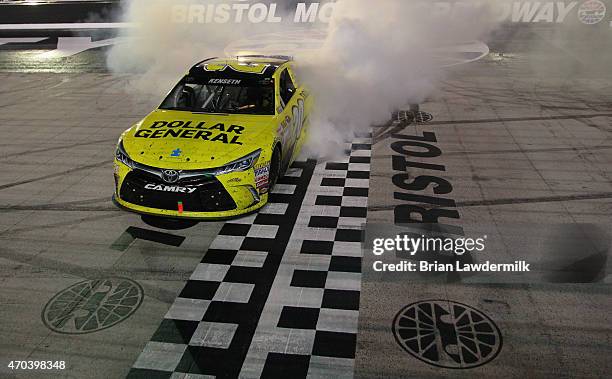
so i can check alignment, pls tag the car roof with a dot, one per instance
(272, 63)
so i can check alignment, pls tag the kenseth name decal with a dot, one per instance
(190, 130)
(234, 82)
(162, 188)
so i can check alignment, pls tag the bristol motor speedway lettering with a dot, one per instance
(586, 11)
(189, 129)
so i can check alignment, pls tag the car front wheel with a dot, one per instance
(275, 169)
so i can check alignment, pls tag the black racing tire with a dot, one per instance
(275, 169)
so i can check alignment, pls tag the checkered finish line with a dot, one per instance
(277, 293)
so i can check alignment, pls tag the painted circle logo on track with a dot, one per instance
(407, 117)
(447, 334)
(591, 12)
(92, 305)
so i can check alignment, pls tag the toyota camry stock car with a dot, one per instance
(218, 142)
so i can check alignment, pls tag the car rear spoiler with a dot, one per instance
(281, 57)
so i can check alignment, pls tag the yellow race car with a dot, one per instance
(218, 142)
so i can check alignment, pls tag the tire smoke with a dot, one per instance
(372, 57)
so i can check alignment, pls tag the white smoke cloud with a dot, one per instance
(375, 57)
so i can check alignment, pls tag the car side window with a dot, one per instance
(287, 88)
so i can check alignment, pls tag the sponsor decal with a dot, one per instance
(284, 130)
(592, 12)
(193, 130)
(176, 153)
(262, 176)
(299, 118)
(293, 122)
(164, 188)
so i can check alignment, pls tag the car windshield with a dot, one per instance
(222, 95)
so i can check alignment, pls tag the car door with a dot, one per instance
(292, 117)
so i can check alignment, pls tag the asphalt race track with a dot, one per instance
(287, 292)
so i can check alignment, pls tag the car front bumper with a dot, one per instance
(221, 215)
(207, 198)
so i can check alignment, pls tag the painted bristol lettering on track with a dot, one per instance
(425, 205)
(417, 207)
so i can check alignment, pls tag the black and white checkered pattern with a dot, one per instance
(277, 293)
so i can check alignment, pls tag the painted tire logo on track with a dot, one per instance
(92, 305)
(447, 334)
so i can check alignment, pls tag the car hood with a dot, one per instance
(190, 141)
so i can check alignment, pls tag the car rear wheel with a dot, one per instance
(275, 169)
